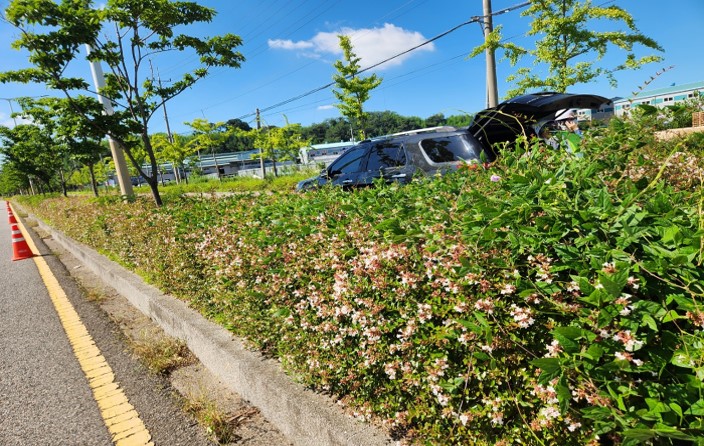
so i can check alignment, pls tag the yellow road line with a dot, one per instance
(120, 417)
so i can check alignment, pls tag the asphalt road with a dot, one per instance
(45, 397)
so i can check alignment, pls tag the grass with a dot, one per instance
(163, 354)
(221, 425)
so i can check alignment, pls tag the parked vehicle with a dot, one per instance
(438, 150)
(398, 158)
(524, 115)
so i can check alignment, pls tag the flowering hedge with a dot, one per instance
(541, 300)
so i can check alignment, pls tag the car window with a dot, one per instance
(348, 162)
(384, 155)
(448, 149)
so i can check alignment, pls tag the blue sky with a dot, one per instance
(291, 46)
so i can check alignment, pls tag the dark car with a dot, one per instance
(401, 156)
(398, 158)
(524, 115)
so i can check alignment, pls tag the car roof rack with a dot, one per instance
(442, 128)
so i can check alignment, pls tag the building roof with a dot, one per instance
(672, 89)
(207, 159)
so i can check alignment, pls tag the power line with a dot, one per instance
(474, 19)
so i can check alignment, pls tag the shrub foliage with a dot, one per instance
(540, 300)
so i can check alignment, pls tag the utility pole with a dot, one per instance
(176, 170)
(261, 155)
(12, 111)
(118, 156)
(492, 93)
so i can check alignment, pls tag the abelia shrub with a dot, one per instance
(542, 299)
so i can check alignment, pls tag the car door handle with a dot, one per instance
(347, 182)
(399, 175)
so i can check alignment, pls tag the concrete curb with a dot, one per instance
(304, 417)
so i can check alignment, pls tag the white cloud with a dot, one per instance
(371, 45)
(289, 44)
(326, 107)
(9, 122)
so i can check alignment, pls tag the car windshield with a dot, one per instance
(448, 149)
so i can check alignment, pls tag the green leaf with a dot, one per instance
(564, 396)
(595, 352)
(672, 315)
(682, 358)
(550, 368)
(671, 235)
(281, 312)
(696, 408)
(672, 432)
(650, 322)
(640, 434)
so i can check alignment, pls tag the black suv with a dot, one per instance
(437, 150)
(524, 115)
(398, 158)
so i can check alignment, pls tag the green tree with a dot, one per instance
(574, 37)
(207, 136)
(54, 33)
(12, 180)
(435, 120)
(353, 90)
(387, 122)
(339, 129)
(174, 150)
(281, 143)
(459, 120)
(241, 139)
(33, 152)
(81, 141)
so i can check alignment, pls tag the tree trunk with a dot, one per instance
(64, 191)
(185, 174)
(153, 183)
(93, 184)
(177, 173)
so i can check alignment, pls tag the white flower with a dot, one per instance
(574, 426)
(626, 311)
(553, 349)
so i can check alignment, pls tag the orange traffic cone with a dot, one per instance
(20, 248)
(11, 217)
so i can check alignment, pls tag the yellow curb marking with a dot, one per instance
(120, 417)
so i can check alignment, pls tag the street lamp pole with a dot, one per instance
(12, 111)
(118, 156)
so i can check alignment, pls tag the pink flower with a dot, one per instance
(495, 178)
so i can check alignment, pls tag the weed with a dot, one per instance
(221, 425)
(163, 354)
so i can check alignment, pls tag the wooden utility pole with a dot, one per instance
(492, 92)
